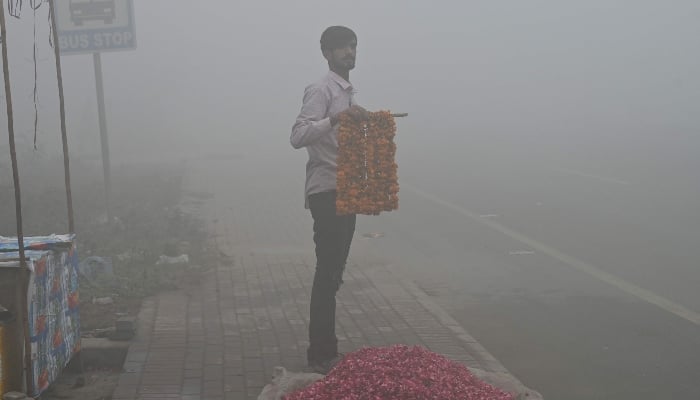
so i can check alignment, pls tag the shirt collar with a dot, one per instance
(339, 80)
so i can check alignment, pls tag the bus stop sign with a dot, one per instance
(94, 26)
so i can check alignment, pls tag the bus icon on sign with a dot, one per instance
(92, 10)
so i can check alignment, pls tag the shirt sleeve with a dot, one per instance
(312, 123)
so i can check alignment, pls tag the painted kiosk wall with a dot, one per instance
(52, 309)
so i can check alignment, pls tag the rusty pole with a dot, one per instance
(18, 202)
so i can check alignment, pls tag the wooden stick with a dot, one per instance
(62, 113)
(24, 269)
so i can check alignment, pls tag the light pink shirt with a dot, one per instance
(313, 130)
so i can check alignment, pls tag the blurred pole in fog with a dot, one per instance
(104, 139)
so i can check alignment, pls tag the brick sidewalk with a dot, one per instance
(222, 339)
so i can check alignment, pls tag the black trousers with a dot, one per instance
(332, 236)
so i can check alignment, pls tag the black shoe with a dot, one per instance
(324, 367)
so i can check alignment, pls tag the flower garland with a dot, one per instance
(367, 181)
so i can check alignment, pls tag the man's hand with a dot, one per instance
(355, 112)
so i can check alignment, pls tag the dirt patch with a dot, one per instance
(95, 384)
(146, 223)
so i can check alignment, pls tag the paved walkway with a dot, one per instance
(222, 338)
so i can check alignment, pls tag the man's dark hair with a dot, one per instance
(335, 37)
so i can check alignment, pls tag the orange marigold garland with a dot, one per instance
(367, 181)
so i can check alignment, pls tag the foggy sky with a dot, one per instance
(579, 121)
(229, 76)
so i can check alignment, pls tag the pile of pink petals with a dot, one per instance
(399, 373)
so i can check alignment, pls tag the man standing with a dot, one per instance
(316, 128)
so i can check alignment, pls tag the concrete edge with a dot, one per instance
(132, 369)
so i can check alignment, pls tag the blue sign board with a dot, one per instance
(95, 26)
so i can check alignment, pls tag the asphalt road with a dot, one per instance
(578, 271)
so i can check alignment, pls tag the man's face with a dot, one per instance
(342, 58)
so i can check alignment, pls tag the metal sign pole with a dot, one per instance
(104, 139)
(82, 27)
